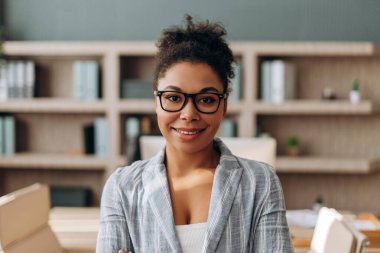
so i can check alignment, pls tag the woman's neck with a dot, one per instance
(181, 164)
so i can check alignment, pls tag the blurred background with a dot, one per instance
(74, 100)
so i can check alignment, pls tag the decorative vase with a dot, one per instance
(355, 97)
(293, 151)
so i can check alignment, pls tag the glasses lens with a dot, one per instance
(172, 101)
(207, 102)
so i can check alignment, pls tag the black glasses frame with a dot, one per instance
(192, 96)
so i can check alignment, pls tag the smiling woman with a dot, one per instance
(194, 195)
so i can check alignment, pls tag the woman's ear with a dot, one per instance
(156, 104)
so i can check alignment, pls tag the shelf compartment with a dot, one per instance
(52, 161)
(321, 164)
(321, 107)
(52, 105)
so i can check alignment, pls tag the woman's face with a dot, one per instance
(189, 130)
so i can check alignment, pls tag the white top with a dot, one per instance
(191, 237)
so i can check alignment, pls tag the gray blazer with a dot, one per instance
(246, 214)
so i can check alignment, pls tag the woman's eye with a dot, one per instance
(208, 100)
(173, 98)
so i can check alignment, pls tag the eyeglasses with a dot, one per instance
(175, 101)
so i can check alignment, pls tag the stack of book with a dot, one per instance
(136, 88)
(277, 81)
(17, 79)
(86, 80)
(95, 137)
(7, 135)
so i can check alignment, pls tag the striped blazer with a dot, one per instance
(246, 213)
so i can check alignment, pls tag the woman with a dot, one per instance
(194, 196)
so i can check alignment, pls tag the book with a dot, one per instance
(19, 79)
(9, 140)
(101, 137)
(11, 79)
(132, 127)
(91, 80)
(2, 136)
(3, 82)
(30, 79)
(79, 80)
(70, 196)
(146, 126)
(236, 83)
(132, 133)
(266, 81)
(135, 88)
(89, 139)
(282, 80)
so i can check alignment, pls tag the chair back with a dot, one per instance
(333, 234)
(24, 216)
(260, 149)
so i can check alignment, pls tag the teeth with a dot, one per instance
(186, 132)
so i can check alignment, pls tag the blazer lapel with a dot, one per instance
(157, 190)
(226, 182)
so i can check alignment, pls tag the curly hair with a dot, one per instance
(201, 42)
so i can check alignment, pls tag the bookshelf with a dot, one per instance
(338, 139)
(339, 157)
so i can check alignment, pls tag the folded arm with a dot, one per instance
(113, 230)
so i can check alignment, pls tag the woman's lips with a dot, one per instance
(188, 133)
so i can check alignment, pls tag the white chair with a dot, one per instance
(333, 234)
(260, 149)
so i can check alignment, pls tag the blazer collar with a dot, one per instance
(226, 181)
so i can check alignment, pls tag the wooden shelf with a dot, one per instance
(315, 107)
(317, 49)
(47, 48)
(139, 106)
(52, 161)
(318, 164)
(235, 107)
(52, 105)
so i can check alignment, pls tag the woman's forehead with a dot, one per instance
(186, 75)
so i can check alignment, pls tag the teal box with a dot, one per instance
(135, 88)
(70, 196)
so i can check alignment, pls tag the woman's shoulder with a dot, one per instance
(129, 173)
(260, 171)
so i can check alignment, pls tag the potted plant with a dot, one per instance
(355, 92)
(293, 146)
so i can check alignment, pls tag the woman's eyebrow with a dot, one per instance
(206, 89)
(209, 89)
(171, 87)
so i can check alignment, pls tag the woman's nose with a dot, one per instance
(189, 112)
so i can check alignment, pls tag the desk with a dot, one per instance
(75, 228)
